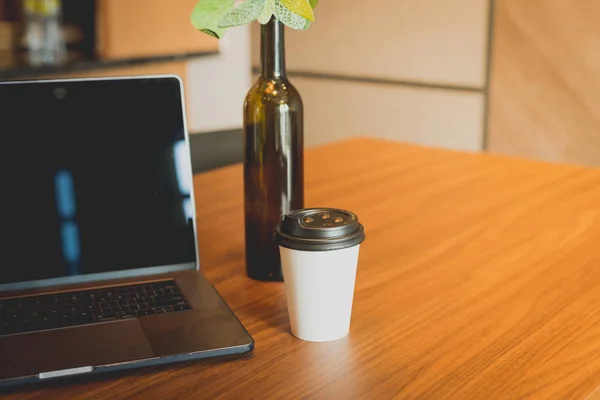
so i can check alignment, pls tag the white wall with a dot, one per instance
(217, 84)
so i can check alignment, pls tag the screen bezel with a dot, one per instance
(128, 273)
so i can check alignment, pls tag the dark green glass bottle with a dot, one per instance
(273, 155)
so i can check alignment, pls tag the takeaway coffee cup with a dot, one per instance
(319, 256)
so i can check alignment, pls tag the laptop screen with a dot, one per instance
(95, 177)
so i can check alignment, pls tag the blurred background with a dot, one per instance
(512, 77)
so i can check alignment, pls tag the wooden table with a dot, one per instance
(479, 279)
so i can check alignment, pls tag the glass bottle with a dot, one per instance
(273, 155)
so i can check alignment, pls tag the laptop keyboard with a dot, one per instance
(58, 310)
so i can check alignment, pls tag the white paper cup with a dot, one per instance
(319, 288)
(319, 270)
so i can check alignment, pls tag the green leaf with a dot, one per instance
(207, 14)
(246, 12)
(300, 7)
(313, 4)
(267, 12)
(288, 17)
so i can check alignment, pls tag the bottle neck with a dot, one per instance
(272, 50)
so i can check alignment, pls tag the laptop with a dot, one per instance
(99, 265)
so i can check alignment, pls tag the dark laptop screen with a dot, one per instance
(95, 177)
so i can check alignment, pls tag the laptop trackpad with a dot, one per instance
(90, 345)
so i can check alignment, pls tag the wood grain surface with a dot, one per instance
(478, 280)
(545, 80)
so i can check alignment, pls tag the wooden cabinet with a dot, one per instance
(148, 28)
(545, 81)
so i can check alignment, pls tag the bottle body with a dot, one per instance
(43, 32)
(54, 47)
(273, 160)
(33, 32)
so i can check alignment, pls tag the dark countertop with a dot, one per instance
(20, 70)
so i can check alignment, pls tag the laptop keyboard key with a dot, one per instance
(85, 316)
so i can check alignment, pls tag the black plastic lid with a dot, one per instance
(319, 229)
